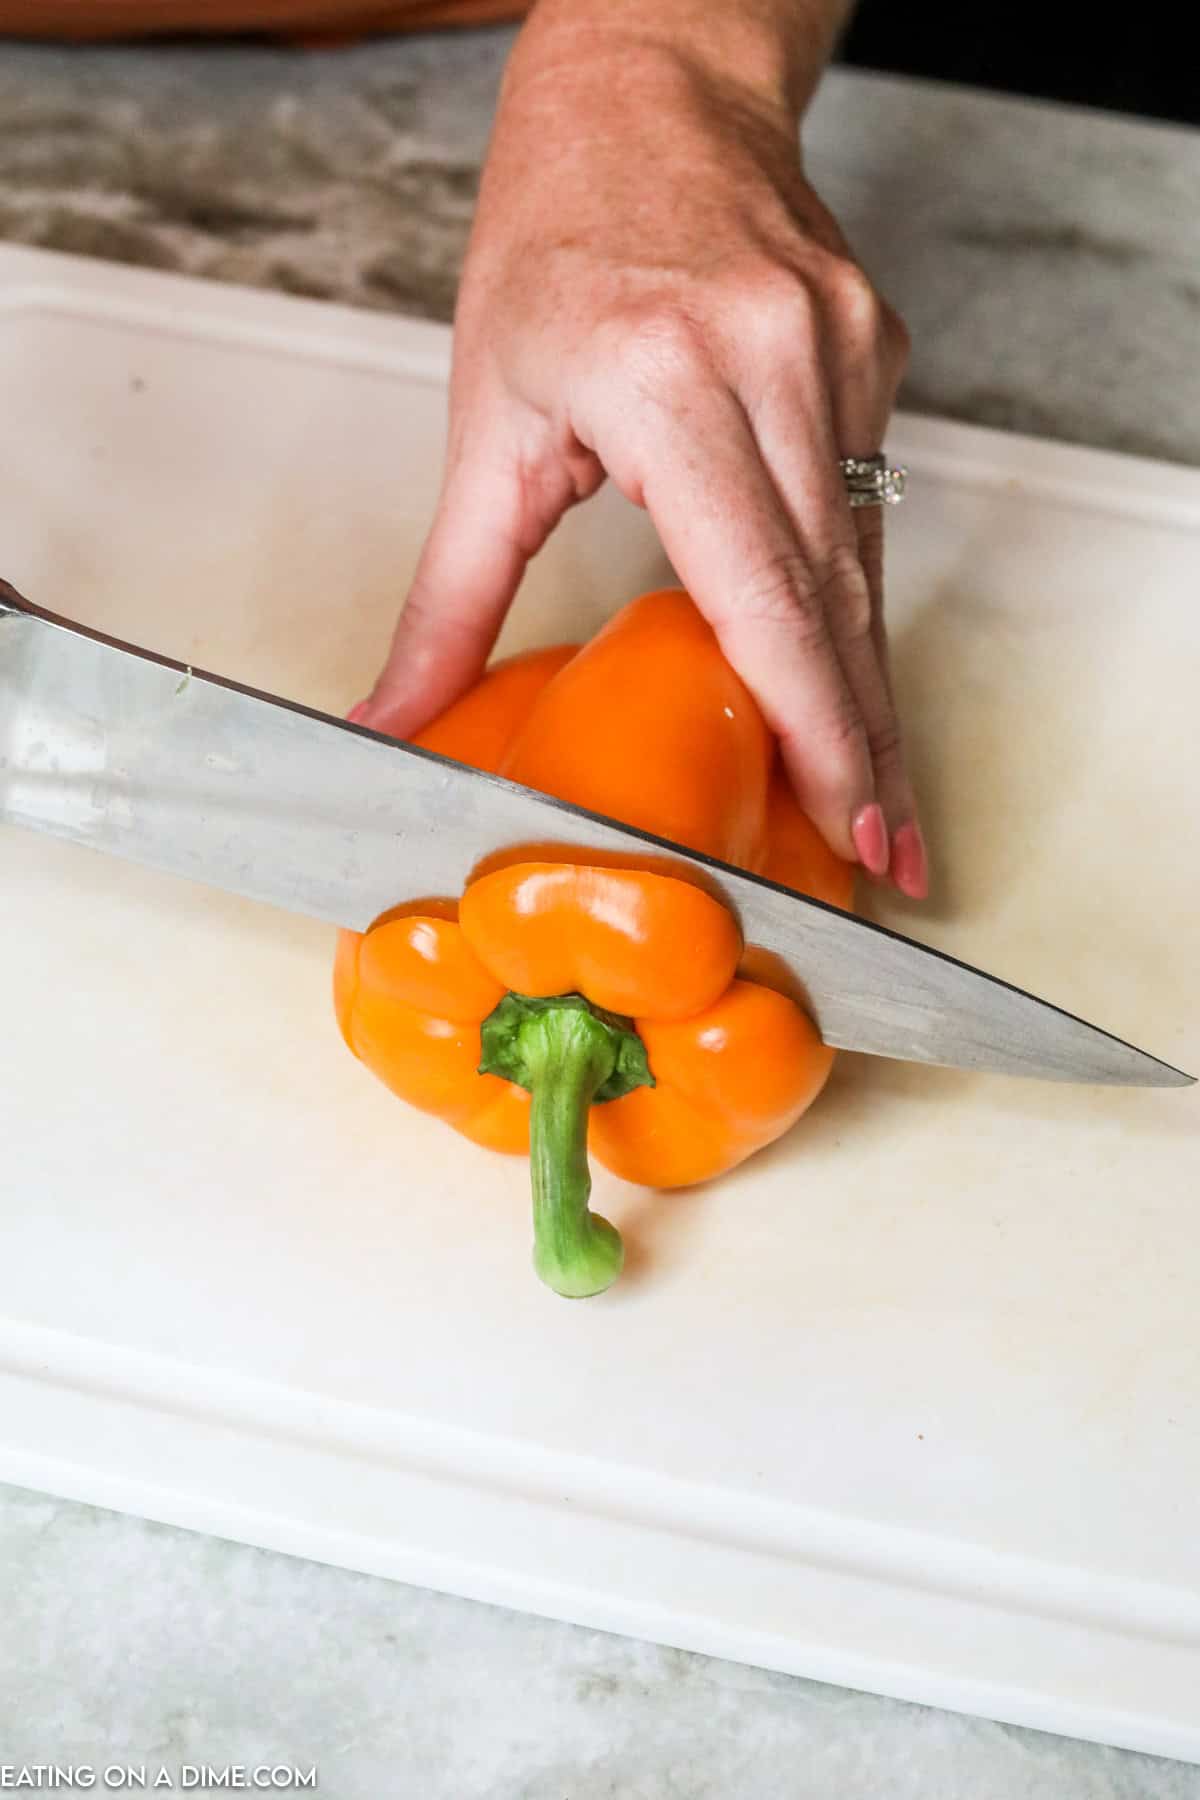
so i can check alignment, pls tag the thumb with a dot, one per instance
(469, 569)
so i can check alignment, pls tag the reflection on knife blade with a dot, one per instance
(145, 758)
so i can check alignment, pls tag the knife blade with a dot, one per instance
(131, 753)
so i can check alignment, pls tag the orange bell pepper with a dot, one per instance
(561, 1005)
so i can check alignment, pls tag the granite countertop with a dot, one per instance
(1047, 263)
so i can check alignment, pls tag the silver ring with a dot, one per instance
(873, 481)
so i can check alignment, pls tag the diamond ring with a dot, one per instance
(872, 481)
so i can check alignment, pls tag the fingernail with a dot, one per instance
(869, 832)
(357, 714)
(910, 866)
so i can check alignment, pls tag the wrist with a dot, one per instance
(774, 51)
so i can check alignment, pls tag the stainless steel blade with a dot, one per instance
(133, 754)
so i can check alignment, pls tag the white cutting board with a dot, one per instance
(912, 1401)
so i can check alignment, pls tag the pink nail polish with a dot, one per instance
(869, 831)
(357, 714)
(910, 867)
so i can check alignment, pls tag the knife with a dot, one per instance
(131, 753)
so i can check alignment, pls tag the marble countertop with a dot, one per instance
(1047, 263)
(1047, 260)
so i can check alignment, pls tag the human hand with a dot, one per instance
(653, 292)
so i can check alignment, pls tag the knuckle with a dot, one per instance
(775, 319)
(847, 734)
(663, 349)
(781, 593)
(856, 305)
(854, 613)
(539, 489)
(786, 302)
(846, 594)
(841, 732)
(883, 741)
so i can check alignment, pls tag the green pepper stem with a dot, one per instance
(575, 1251)
(569, 1056)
